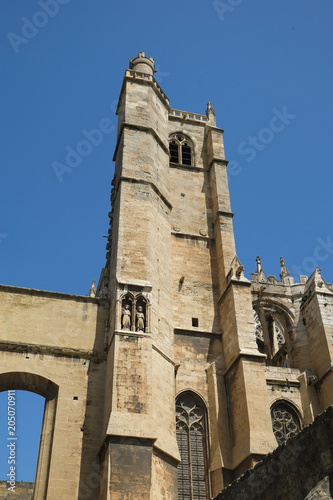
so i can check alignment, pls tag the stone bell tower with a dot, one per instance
(140, 451)
(181, 322)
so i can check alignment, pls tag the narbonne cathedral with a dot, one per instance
(177, 377)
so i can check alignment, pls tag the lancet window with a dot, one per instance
(285, 421)
(191, 429)
(180, 149)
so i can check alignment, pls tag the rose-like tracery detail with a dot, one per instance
(285, 422)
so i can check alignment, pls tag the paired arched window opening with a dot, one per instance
(285, 421)
(134, 313)
(180, 150)
(191, 431)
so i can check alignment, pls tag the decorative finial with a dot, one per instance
(92, 291)
(260, 272)
(210, 113)
(210, 109)
(284, 271)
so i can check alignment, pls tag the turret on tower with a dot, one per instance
(143, 64)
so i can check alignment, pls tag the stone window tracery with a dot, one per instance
(180, 149)
(258, 327)
(270, 337)
(191, 433)
(278, 335)
(285, 421)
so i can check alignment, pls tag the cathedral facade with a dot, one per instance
(177, 374)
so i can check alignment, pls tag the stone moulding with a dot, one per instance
(148, 130)
(19, 347)
(153, 187)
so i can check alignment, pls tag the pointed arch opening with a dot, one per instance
(181, 149)
(192, 439)
(141, 314)
(127, 305)
(273, 328)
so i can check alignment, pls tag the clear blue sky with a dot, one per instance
(254, 61)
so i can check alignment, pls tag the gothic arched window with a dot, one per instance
(285, 421)
(180, 149)
(191, 428)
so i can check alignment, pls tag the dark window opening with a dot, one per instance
(174, 153)
(180, 150)
(186, 155)
(195, 322)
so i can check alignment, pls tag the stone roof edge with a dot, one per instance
(48, 293)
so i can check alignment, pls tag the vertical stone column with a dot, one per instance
(249, 416)
(45, 447)
(317, 316)
(222, 215)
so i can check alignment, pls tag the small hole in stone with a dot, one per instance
(195, 322)
(75, 398)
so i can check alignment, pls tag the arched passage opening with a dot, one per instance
(21, 413)
(14, 384)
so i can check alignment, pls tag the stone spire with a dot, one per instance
(92, 291)
(260, 273)
(284, 271)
